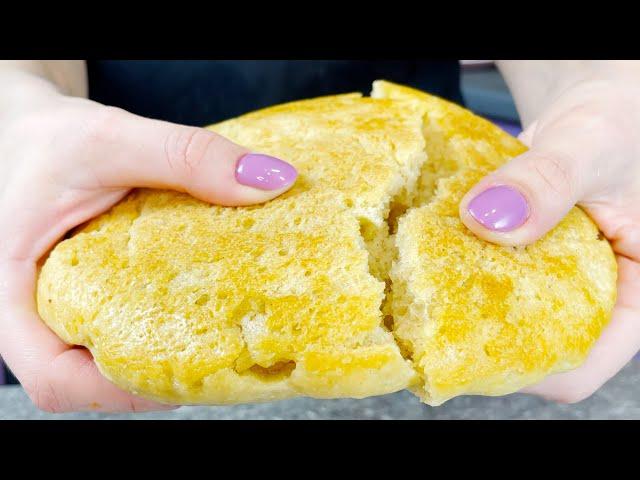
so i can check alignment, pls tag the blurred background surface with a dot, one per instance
(485, 93)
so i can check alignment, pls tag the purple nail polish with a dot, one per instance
(500, 208)
(264, 172)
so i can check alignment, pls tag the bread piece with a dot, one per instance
(477, 318)
(189, 303)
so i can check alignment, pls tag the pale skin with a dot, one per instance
(66, 159)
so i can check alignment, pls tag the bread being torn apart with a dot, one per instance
(361, 280)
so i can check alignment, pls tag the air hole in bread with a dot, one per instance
(276, 372)
(248, 223)
(197, 384)
(202, 299)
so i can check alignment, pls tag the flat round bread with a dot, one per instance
(361, 280)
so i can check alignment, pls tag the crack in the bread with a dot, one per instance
(139, 210)
(435, 169)
(379, 241)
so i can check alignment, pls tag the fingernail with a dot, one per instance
(264, 172)
(501, 208)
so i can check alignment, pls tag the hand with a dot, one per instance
(585, 150)
(64, 161)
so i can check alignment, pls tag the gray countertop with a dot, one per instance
(618, 399)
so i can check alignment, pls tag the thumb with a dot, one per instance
(525, 198)
(133, 151)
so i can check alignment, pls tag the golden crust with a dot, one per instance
(184, 302)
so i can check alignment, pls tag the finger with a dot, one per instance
(72, 382)
(57, 377)
(520, 202)
(626, 241)
(617, 345)
(525, 198)
(132, 151)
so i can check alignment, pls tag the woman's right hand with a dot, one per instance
(65, 160)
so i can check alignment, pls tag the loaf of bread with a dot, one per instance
(361, 280)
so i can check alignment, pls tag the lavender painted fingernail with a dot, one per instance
(264, 172)
(500, 208)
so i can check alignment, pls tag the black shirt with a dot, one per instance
(205, 92)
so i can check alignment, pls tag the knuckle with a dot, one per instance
(103, 124)
(186, 148)
(45, 396)
(557, 172)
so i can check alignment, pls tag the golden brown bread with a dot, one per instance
(185, 302)
(476, 318)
